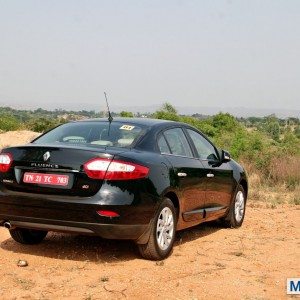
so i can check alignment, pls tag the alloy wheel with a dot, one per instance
(165, 228)
(239, 206)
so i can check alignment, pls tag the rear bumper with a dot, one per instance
(78, 215)
(138, 233)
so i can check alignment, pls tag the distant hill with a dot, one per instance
(236, 111)
(184, 110)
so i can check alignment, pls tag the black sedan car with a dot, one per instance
(138, 179)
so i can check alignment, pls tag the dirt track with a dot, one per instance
(12, 138)
(252, 262)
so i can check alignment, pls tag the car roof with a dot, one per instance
(141, 121)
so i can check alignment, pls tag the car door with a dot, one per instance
(219, 176)
(188, 174)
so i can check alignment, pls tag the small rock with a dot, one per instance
(22, 263)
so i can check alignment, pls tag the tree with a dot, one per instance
(225, 122)
(126, 114)
(167, 107)
(167, 112)
(272, 128)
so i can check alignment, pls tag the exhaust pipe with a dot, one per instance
(7, 225)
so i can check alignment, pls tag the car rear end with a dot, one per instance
(77, 187)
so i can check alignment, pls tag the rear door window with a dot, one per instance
(163, 146)
(177, 142)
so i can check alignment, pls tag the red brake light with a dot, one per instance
(5, 162)
(101, 168)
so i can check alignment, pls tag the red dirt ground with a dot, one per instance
(208, 261)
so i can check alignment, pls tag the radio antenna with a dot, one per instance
(110, 118)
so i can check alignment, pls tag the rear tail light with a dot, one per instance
(5, 162)
(96, 168)
(101, 168)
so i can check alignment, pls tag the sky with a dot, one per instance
(233, 53)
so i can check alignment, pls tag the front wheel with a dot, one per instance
(236, 213)
(27, 236)
(162, 233)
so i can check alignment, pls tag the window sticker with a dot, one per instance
(126, 127)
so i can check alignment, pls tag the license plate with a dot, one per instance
(46, 179)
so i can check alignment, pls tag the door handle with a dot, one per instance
(181, 174)
(210, 175)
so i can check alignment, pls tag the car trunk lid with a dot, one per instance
(49, 169)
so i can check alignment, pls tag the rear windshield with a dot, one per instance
(116, 134)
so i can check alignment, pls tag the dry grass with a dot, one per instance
(286, 170)
(271, 196)
(282, 186)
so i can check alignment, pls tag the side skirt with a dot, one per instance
(204, 214)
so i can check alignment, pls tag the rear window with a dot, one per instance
(116, 134)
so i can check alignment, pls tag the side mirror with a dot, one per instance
(225, 157)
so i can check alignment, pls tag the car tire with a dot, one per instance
(236, 214)
(27, 236)
(162, 233)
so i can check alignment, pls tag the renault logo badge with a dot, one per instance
(46, 156)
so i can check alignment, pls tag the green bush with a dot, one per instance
(297, 132)
(290, 144)
(43, 124)
(9, 123)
